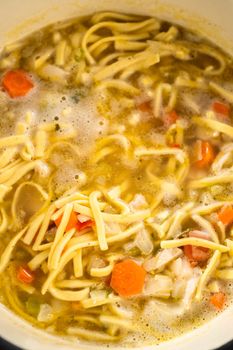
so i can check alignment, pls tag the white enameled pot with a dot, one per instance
(213, 18)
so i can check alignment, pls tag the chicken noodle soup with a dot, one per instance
(116, 178)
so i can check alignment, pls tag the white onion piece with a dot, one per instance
(159, 286)
(59, 305)
(42, 168)
(113, 228)
(162, 258)
(162, 215)
(178, 288)
(86, 79)
(191, 287)
(128, 246)
(83, 218)
(98, 294)
(45, 313)
(181, 268)
(138, 202)
(134, 118)
(96, 262)
(144, 242)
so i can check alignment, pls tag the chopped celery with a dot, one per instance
(33, 306)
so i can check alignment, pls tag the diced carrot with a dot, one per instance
(170, 118)
(74, 222)
(71, 223)
(127, 278)
(200, 254)
(188, 252)
(226, 215)
(82, 225)
(195, 254)
(17, 83)
(218, 300)
(145, 107)
(207, 155)
(221, 108)
(25, 275)
(175, 145)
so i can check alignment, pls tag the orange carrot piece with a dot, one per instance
(221, 108)
(218, 300)
(17, 83)
(127, 278)
(82, 225)
(74, 222)
(195, 254)
(207, 155)
(226, 215)
(25, 275)
(176, 145)
(145, 107)
(170, 118)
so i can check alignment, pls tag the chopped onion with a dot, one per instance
(115, 192)
(144, 242)
(98, 294)
(42, 168)
(178, 288)
(128, 246)
(191, 287)
(158, 139)
(83, 218)
(190, 103)
(162, 258)
(86, 79)
(96, 262)
(45, 313)
(181, 268)
(138, 202)
(113, 228)
(59, 305)
(162, 215)
(158, 286)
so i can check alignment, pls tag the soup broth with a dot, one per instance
(116, 161)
